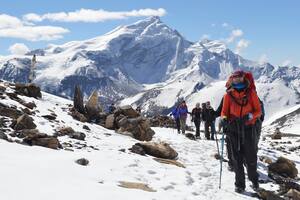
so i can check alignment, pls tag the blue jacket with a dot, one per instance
(183, 111)
(175, 113)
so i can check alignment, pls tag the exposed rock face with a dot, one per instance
(30, 90)
(92, 106)
(23, 122)
(159, 150)
(78, 100)
(283, 167)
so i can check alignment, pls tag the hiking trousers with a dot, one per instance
(244, 152)
(197, 123)
(183, 124)
(212, 130)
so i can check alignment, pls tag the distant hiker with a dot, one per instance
(31, 76)
(241, 109)
(208, 116)
(175, 113)
(111, 108)
(183, 111)
(225, 130)
(196, 118)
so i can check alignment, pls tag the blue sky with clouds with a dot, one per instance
(265, 30)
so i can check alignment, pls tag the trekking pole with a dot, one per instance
(221, 159)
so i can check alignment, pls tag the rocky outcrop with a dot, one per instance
(35, 138)
(30, 90)
(93, 109)
(71, 133)
(159, 150)
(78, 100)
(23, 122)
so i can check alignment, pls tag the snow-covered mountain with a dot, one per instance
(151, 65)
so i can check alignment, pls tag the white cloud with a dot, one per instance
(234, 35)
(12, 27)
(225, 24)
(89, 15)
(242, 44)
(18, 49)
(205, 36)
(7, 21)
(263, 59)
(286, 62)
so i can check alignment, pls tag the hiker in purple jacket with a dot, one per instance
(183, 111)
(175, 114)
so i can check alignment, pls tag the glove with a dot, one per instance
(223, 123)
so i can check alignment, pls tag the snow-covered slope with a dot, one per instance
(153, 66)
(41, 173)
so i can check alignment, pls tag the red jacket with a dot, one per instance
(238, 104)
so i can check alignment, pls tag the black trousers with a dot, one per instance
(197, 123)
(178, 125)
(229, 152)
(244, 151)
(212, 128)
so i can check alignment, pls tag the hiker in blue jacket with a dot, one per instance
(183, 111)
(175, 114)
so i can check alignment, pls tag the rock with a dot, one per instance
(2, 89)
(40, 139)
(24, 122)
(277, 135)
(30, 90)
(10, 112)
(86, 127)
(82, 161)
(92, 106)
(65, 131)
(14, 96)
(128, 111)
(268, 195)
(49, 117)
(78, 116)
(134, 185)
(265, 159)
(293, 194)
(30, 105)
(162, 121)
(28, 133)
(159, 150)
(78, 100)
(283, 167)
(190, 136)
(3, 136)
(110, 121)
(169, 162)
(27, 111)
(138, 149)
(77, 136)
(139, 128)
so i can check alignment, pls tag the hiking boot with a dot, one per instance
(255, 186)
(178, 132)
(239, 189)
(230, 168)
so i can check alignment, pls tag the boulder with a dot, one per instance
(30, 105)
(128, 111)
(28, 133)
(110, 121)
(283, 167)
(139, 127)
(138, 149)
(77, 135)
(49, 117)
(82, 161)
(24, 122)
(78, 100)
(293, 194)
(159, 150)
(10, 112)
(169, 162)
(86, 127)
(65, 131)
(35, 138)
(78, 116)
(30, 90)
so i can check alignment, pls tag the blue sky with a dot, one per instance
(259, 30)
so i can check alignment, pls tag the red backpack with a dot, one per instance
(248, 76)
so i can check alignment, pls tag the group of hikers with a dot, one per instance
(241, 114)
